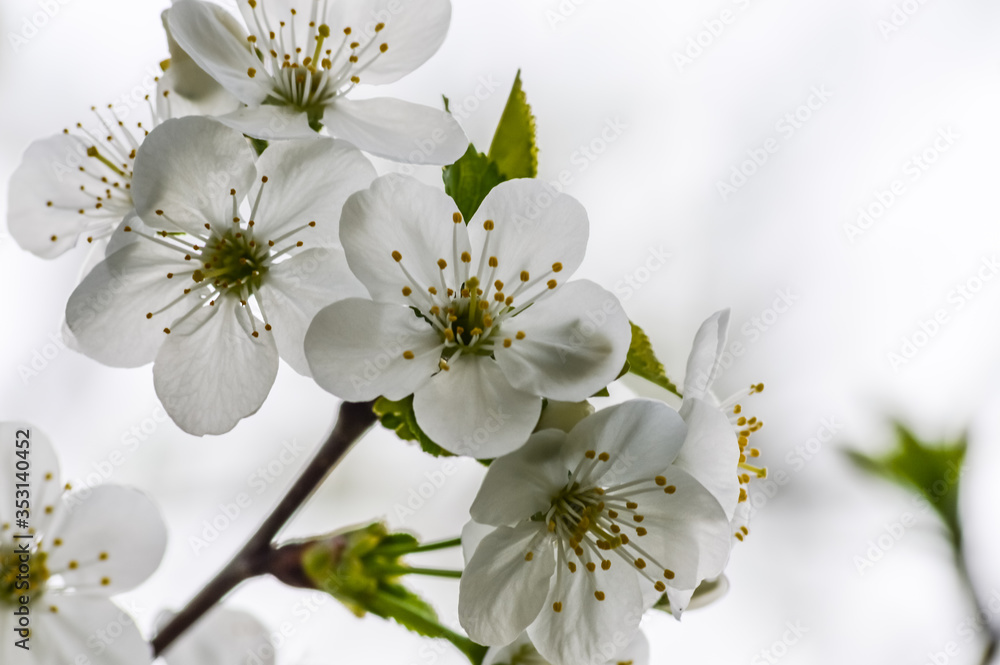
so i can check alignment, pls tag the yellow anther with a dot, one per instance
(606, 564)
(557, 606)
(590, 454)
(397, 257)
(660, 480)
(640, 563)
(442, 264)
(739, 536)
(737, 409)
(456, 217)
(624, 539)
(743, 495)
(556, 267)
(660, 586)
(604, 457)
(641, 531)
(525, 276)
(599, 595)
(73, 565)
(407, 290)
(494, 262)
(631, 505)
(529, 556)
(432, 290)
(572, 567)
(488, 225)
(466, 257)
(383, 48)
(591, 566)
(507, 342)
(251, 72)
(638, 518)
(669, 574)
(613, 514)
(552, 283)
(520, 334)
(408, 355)
(105, 581)
(669, 489)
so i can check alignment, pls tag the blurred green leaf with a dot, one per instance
(513, 148)
(359, 568)
(931, 470)
(641, 361)
(470, 179)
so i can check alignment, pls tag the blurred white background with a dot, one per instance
(647, 107)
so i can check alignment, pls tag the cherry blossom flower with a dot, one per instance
(478, 322)
(589, 529)
(233, 258)
(296, 66)
(81, 547)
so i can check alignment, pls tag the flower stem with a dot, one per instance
(430, 572)
(429, 547)
(354, 420)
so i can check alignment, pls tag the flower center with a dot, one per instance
(20, 578)
(109, 150)
(228, 261)
(472, 309)
(308, 71)
(593, 526)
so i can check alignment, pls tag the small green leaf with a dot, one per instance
(447, 103)
(641, 361)
(513, 147)
(399, 417)
(931, 470)
(470, 179)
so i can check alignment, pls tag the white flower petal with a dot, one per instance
(210, 372)
(473, 534)
(120, 237)
(523, 482)
(186, 168)
(535, 227)
(309, 181)
(114, 534)
(192, 90)
(642, 437)
(355, 350)
(636, 653)
(72, 634)
(516, 652)
(399, 213)
(414, 30)
(711, 452)
(44, 484)
(501, 592)
(687, 531)
(703, 362)
(575, 343)
(107, 311)
(218, 44)
(297, 289)
(587, 630)
(224, 636)
(49, 173)
(397, 130)
(269, 122)
(473, 410)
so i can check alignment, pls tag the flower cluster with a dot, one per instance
(244, 224)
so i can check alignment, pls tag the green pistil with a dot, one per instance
(234, 262)
(96, 154)
(12, 583)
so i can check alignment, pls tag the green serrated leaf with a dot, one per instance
(641, 361)
(931, 470)
(398, 416)
(470, 179)
(513, 147)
